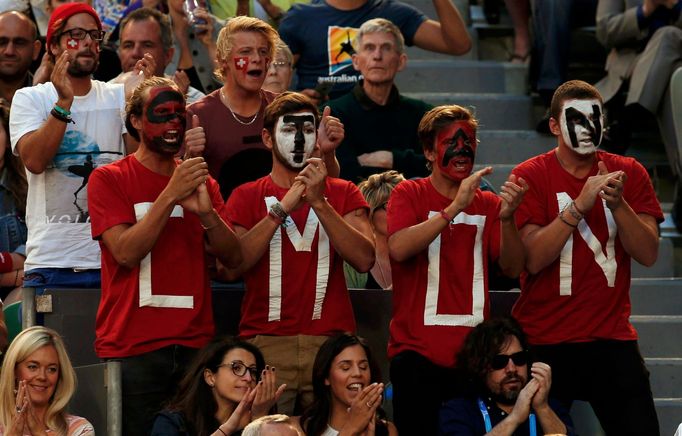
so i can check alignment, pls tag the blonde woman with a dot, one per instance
(376, 190)
(36, 383)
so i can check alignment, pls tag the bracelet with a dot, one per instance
(445, 216)
(574, 213)
(61, 110)
(16, 277)
(575, 206)
(561, 217)
(63, 118)
(221, 430)
(275, 218)
(279, 211)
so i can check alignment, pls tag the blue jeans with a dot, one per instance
(42, 278)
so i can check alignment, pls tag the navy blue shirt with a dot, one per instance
(462, 417)
(323, 36)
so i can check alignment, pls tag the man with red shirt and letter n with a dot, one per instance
(443, 231)
(586, 214)
(296, 227)
(154, 216)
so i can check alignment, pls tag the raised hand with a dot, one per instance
(468, 187)
(243, 410)
(180, 78)
(612, 193)
(267, 393)
(330, 133)
(593, 187)
(313, 177)
(186, 177)
(19, 422)
(294, 197)
(521, 408)
(543, 374)
(511, 194)
(195, 139)
(203, 26)
(61, 81)
(362, 410)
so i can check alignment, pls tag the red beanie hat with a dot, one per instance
(63, 13)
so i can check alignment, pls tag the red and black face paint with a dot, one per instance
(163, 121)
(456, 149)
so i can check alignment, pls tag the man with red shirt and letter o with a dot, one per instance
(586, 214)
(443, 231)
(296, 227)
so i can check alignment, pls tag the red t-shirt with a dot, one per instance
(581, 296)
(442, 292)
(166, 300)
(292, 291)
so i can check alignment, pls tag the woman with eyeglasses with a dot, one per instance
(226, 386)
(348, 391)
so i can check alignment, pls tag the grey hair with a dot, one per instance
(282, 47)
(380, 25)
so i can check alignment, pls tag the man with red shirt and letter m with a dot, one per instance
(586, 214)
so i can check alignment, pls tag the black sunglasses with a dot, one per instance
(501, 360)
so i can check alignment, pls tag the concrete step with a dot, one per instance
(493, 111)
(669, 414)
(666, 376)
(659, 335)
(509, 147)
(656, 297)
(462, 76)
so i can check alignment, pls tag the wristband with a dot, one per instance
(575, 206)
(61, 110)
(275, 218)
(63, 118)
(279, 211)
(221, 430)
(575, 213)
(563, 220)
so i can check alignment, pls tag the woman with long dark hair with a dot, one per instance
(347, 388)
(13, 189)
(227, 386)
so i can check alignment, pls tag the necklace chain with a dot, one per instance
(227, 103)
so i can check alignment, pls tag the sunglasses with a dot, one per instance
(501, 360)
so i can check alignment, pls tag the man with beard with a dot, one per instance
(586, 215)
(297, 226)
(443, 231)
(153, 216)
(505, 400)
(54, 127)
(19, 46)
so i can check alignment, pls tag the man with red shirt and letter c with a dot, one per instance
(586, 214)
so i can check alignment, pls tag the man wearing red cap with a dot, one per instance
(62, 130)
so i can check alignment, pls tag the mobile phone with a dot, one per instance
(189, 6)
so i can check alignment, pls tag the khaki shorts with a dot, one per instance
(292, 357)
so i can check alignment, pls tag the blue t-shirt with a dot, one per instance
(323, 37)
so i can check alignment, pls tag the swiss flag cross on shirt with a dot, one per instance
(241, 62)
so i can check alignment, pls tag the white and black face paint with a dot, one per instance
(295, 137)
(582, 125)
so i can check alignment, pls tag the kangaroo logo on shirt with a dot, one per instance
(340, 47)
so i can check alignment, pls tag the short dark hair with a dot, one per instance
(439, 118)
(135, 103)
(484, 342)
(143, 14)
(572, 90)
(286, 103)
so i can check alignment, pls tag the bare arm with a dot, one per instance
(38, 148)
(448, 35)
(519, 413)
(409, 241)
(512, 253)
(549, 421)
(129, 244)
